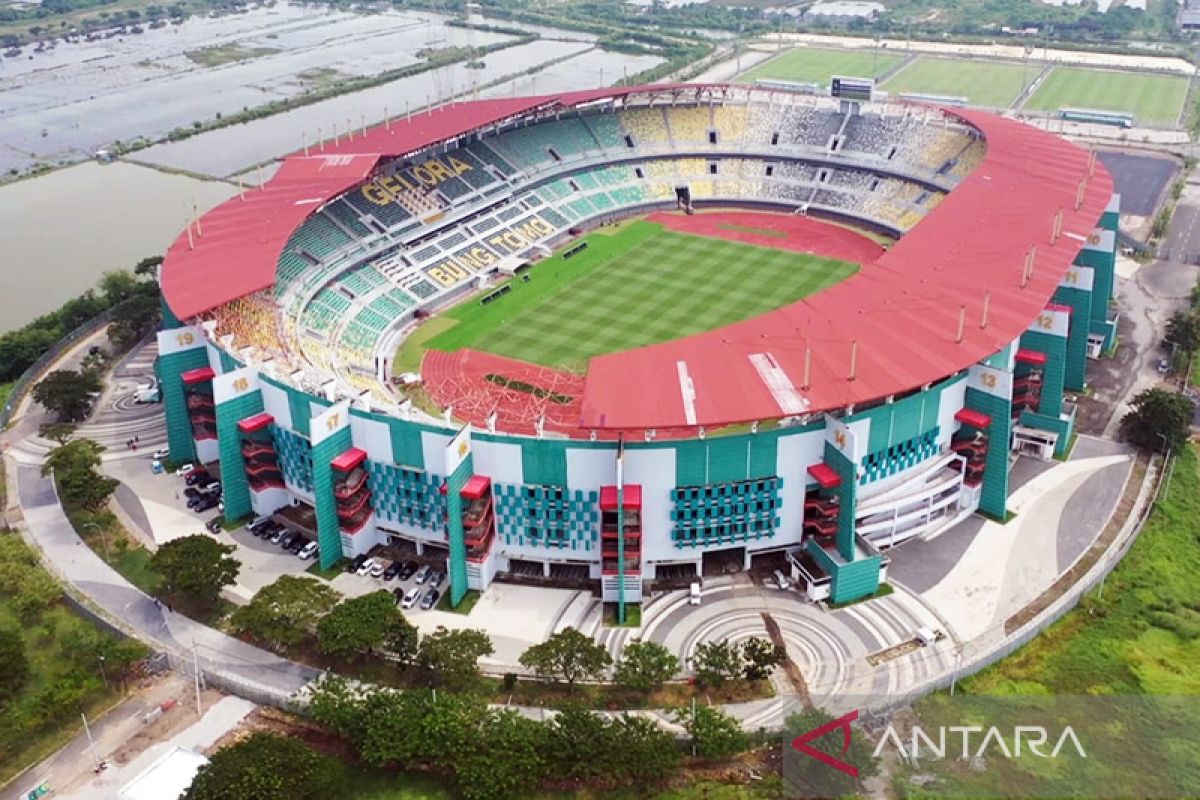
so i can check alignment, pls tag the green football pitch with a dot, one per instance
(813, 65)
(983, 83)
(1153, 99)
(636, 286)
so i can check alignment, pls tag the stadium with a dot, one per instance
(623, 337)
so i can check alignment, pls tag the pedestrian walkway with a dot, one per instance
(255, 671)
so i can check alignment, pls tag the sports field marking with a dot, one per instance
(642, 285)
(814, 65)
(1152, 99)
(983, 83)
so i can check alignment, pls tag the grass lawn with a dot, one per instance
(61, 648)
(468, 602)
(1141, 637)
(221, 54)
(639, 286)
(984, 83)
(5, 391)
(1154, 99)
(134, 564)
(814, 65)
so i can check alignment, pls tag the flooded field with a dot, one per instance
(62, 230)
(230, 150)
(65, 103)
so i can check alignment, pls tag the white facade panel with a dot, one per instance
(794, 455)
(500, 461)
(954, 397)
(433, 450)
(275, 403)
(654, 470)
(590, 468)
(372, 437)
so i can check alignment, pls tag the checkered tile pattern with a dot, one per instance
(725, 513)
(295, 457)
(407, 496)
(899, 457)
(547, 516)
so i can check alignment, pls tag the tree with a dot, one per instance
(1183, 330)
(567, 655)
(715, 734)
(117, 285)
(265, 766)
(645, 666)
(760, 657)
(647, 752)
(14, 666)
(148, 267)
(196, 566)
(134, 316)
(283, 612)
(452, 657)
(807, 777)
(67, 394)
(504, 758)
(1155, 415)
(73, 465)
(716, 662)
(579, 744)
(402, 639)
(357, 625)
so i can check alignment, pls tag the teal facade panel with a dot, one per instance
(1075, 365)
(993, 494)
(234, 484)
(329, 533)
(179, 429)
(544, 462)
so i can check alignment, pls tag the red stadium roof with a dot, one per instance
(235, 249)
(893, 326)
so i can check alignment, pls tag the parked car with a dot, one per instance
(213, 525)
(357, 562)
(308, 551)
(406, 570)
(191, 492)
(411, 598)
(398, 593)
(297, 544)
(1164, 366)
(161, 453)
(277, 536)
(377, 569)
(269, 530)
(186, 469)
(364, 569)
(781, 580)
(206, 503)
(196, 476)
(430, 599)
(393, 569)
(435, 579)
(422, 574)
(285, 541)
(258, 524)
(694, 594)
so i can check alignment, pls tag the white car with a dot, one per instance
(411, 597)
(366, 567)
(185, 469)
(308, 551)
(782, 581)
(161, 453)
(378, 568)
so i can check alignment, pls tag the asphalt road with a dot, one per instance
(1182, 242)
(1140, 179)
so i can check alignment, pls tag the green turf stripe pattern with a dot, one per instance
(641, 285)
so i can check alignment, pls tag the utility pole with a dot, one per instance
(91, 742)
(196, 677)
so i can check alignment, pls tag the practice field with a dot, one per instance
(640, 285)
(813, 65)
(1152, 99)
(985, 83)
